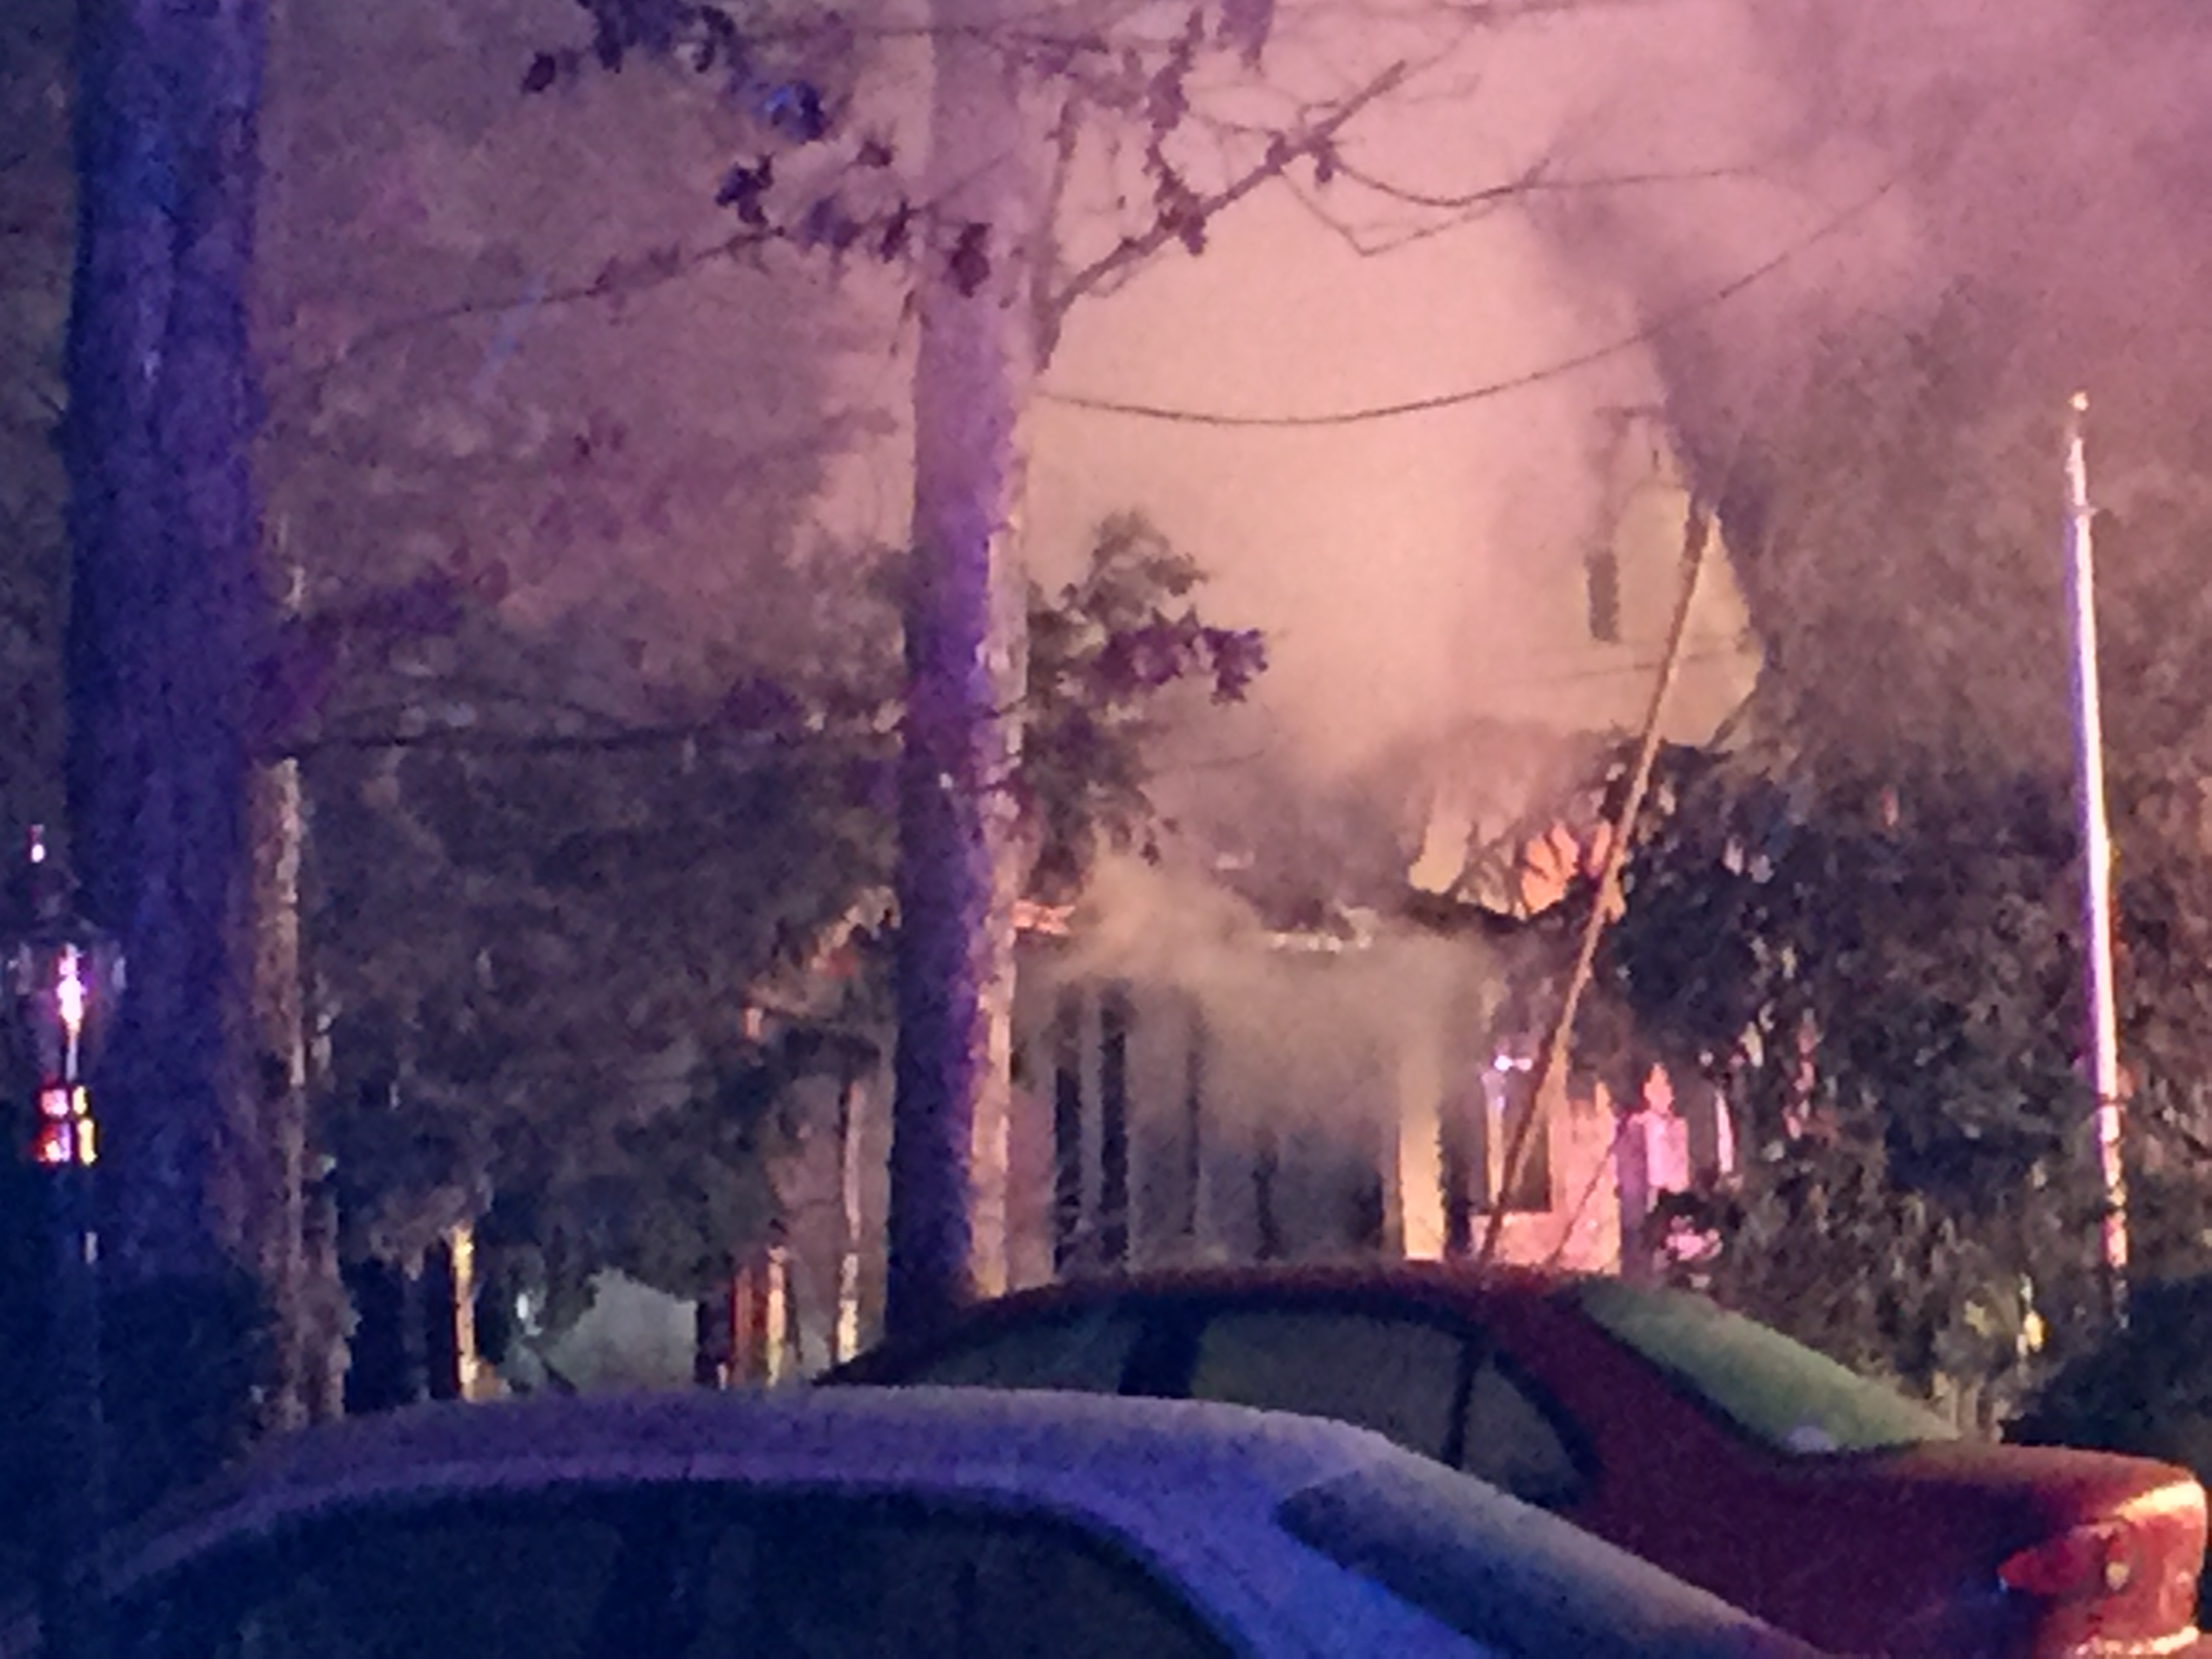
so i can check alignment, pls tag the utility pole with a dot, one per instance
(1547, 1087)
(2096, 867)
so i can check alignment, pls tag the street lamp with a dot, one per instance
(63, 977)
(2096, 869)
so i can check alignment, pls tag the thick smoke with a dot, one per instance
(1978, 209)
(1871, 247)
(2045, 155)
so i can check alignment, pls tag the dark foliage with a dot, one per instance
(1886, 984)
(1102, 652)
(185, 1362)
(2145, 1388)
(795, 75)
(35, 203)
(526, 915)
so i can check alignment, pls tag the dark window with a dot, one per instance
(1518, 1581)
(1510, 1441)
(1115, 1016)
(1398, 1376)
(1084, 1354)
(1601, 578)
(475, 1580)
(857, 1579)
(1066, 1127)
(1512, 1094)
(669, 1572)
(1777, 1391)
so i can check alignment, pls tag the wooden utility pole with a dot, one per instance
(1547, 1088)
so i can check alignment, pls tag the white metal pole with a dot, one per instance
(2096, 864)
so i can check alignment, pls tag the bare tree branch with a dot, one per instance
(617, 279)
(1368, 247)
(801, 746)
(1045, 315)
(1134, 250)
(1536, 180)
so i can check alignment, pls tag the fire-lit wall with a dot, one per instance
(1160, 1132)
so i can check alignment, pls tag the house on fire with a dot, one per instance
(1221, 1057)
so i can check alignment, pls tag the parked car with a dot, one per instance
(1698, 1439)
(922, 1524)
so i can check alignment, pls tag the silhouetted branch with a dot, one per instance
(1313, 140)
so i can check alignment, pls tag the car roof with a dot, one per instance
(1168, 1476)
(1072, 1449)
(1465, 1283)
(1449, 1278)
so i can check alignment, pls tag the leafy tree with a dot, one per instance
(1017, 109)
(1883, 877)
(1886, 988)
(540, 923)
(35, 200)
(1100, 653)
(530, 907)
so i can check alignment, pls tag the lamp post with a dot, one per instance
(63, 977)
(2096, 869)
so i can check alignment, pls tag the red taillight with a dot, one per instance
(2123, 1582)
(2088, 1561)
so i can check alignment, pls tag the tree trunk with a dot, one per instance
(845, 1334)
(964, 655)
(306, 1296)
(1115, 1018)
(163, 617)
(276, 1215)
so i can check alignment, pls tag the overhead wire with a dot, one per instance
(1557, 369)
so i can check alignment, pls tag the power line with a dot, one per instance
(1552, 371)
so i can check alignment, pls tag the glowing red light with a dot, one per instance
(2088, 1561)
(55, 1145)
(65, 1133)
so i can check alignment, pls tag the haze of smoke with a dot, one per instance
(1300, 1037)
(2037, 162)
(1988, 208)
(2047, 152)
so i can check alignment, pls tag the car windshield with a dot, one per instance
(1513, 1579)
(1777, 1391)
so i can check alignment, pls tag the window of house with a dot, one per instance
(1398, 1376)
(1512, 1093)
(1601, 585)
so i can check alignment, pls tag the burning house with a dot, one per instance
(1225, 1055)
